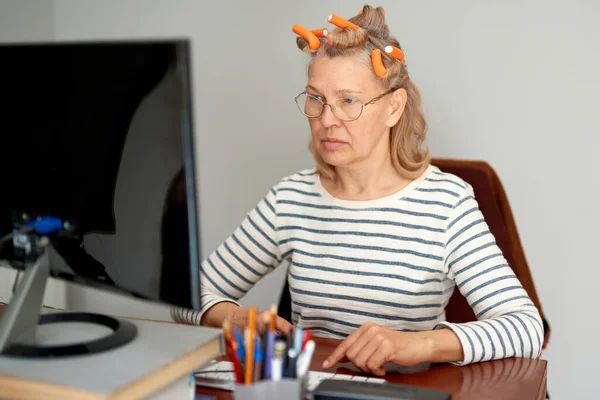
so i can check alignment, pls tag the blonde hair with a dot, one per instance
(409, 153)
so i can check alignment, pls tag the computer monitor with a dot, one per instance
(97, 138)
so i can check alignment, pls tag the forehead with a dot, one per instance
(331, 74)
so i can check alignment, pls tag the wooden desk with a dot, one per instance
(508, 379)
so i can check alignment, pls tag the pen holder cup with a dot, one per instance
(286, 388)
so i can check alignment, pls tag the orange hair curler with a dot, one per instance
(311, 38)
(395, 52)
(380, 70)
(320, 32)
(360, 11)
(341, 22)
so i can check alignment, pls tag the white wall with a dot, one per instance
(513, 83)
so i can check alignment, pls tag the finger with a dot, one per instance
(363, 356)
(340, 350)
(384, 353)
(283, 326)
(370, 331)
(264, 318)
(260, 324)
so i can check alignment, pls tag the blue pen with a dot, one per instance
(241, 351)
(258, 360)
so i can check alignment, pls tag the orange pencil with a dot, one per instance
(250, 345)
(272, 316)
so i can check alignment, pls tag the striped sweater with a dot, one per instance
(394, 261)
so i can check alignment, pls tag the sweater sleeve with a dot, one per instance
(249, 254)
(508, 323)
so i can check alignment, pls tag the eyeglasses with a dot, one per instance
(345, 109)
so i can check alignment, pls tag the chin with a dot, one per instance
(333, 158)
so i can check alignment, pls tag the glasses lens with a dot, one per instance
(311, 106)
(348, 109)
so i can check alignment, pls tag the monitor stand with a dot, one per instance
(18, 324)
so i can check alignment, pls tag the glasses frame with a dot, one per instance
(332, 107)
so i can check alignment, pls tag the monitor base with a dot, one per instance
(20, 320)
(123, 333)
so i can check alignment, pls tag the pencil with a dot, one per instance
(272, 316)
(298, 337)
(258, 360)
(241, 350)
(307, 337)
(232, 348)
(250, 345)
(265, 346)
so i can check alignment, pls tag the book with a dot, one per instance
(161, 354)
(180, 390)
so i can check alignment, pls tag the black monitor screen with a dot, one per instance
(100, 135)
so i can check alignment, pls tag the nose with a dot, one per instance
(328, 118)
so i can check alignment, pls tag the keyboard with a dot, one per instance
(336, 390)
(220, 375)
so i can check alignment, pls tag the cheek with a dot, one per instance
(364, 136)
(372, 125)
(359, 132)
(314, 125)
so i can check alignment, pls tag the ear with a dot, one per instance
(397, 104)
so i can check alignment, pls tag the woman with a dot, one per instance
(376, 238)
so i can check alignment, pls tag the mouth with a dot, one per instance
(332, 144)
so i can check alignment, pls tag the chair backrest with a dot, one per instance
(496, 210)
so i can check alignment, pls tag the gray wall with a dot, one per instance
(26, 20)
(249, 133)
(513, 83)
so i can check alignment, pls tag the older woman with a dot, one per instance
(376, 237)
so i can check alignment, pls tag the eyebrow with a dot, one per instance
(339, 91)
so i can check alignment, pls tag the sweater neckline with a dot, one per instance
(373, 202)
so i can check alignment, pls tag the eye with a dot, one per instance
(312, 97)
(348, 101)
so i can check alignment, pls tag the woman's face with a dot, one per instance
(340, 80)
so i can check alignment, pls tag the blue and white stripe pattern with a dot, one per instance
(393, 261)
